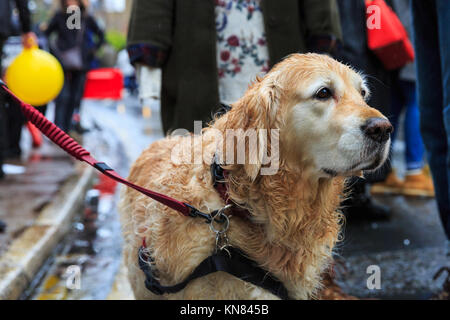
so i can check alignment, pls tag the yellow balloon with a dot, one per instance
(35, 76)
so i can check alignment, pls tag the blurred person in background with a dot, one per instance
(356, 53)
(432, 44)
(403, 90)
(73, 48)
(194, 55)
(11, 118)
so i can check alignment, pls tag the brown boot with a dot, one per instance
(419, 184)
(392, 185)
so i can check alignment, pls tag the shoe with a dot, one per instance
(78, 128)
(392, 185)
(2, 226)
(366, 209)
(419, 184)
(2, 173)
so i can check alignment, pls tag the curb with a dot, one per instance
(26, 255)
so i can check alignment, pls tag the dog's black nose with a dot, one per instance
(377, 129)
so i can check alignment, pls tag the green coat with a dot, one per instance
(180, 37)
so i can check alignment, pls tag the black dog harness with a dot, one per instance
(233, 262)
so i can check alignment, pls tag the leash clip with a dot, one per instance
(221, 233)
(217, 215)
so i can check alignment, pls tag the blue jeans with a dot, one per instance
(404, 97)
(432, 43)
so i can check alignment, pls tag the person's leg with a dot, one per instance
(392, 184)
(397, 105)
(443, 13)
(61, 103)
(78, 90)
(12, 120)
(15, 123)
(2, 119)
(380, 83)
(70, 106)
(416, 182)
(3, 134)
(413, 139)
(430, 97)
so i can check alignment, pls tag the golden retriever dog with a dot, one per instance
(316, 109)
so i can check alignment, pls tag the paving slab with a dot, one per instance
(26, 252)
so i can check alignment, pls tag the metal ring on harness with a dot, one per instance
(223, 219)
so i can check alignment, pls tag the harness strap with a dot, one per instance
(236, 264)
(218, 175)
(65, 142)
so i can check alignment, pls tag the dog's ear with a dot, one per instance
(261, 109)
(251, 119)
(263, 106)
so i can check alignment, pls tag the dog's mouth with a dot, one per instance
(371, 161)
(360, 166)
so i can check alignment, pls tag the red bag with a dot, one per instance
(386, 36)
(104, 83)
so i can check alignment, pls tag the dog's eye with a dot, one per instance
(363, 93)
(324, 94)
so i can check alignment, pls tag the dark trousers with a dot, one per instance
(69, 99)
(2, 134)
(432, 45)
(11, 121)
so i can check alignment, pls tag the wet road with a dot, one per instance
(408, 249)
(84, 265)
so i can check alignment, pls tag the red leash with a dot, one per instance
(65, 142)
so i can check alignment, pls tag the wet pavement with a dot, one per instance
(91, 252)
(23, 195)
(85, 264)
(408, 249)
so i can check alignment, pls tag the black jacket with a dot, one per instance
(6, 28)
(69, 38)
